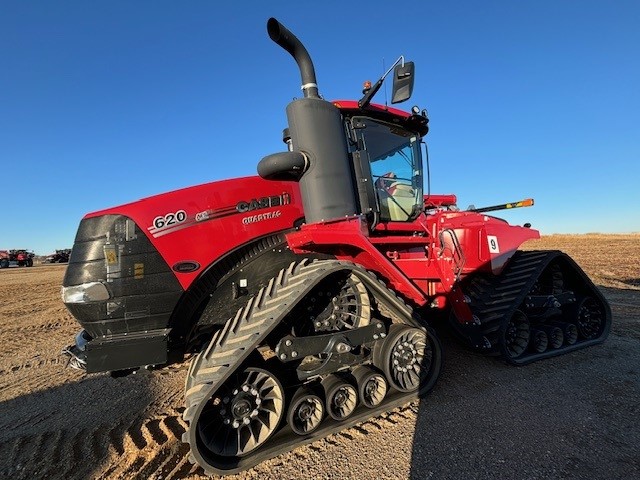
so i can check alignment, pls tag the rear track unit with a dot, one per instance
(542, 305)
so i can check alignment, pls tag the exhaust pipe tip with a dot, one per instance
(274, 29)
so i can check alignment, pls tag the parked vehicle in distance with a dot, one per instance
(61, 256)
(18, 257)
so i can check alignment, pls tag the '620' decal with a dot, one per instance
(168, 220)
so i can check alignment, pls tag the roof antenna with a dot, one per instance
(386, 105)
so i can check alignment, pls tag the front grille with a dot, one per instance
(144, 291)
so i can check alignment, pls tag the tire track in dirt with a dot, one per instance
(33, 364)
(28, 329)
(19, 341)
(35, 379)
(152, 448)
(137, 450)
(624, 305)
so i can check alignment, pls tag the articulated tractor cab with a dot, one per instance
(307, 298)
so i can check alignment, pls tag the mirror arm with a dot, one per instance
(366, 100)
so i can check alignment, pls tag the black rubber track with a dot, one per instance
(240, 336)
(494, 299)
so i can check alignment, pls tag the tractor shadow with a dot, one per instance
(70, 430)
(572, 416)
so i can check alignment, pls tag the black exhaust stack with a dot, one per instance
(318, 135)
(287, 40)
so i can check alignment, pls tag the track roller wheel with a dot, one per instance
(590, 318)
(305, 412)
(372, 386)
(517, 334)
(554, 335)
(407, 358)
(242, 414)
(569, 330)
(539, 341)
(341, 397)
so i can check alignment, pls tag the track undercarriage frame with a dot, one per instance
(234, 393)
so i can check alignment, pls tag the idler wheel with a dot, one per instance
(242, 414)
(341, 397)
(539, 341)
(372, 386)
(305, 412)
(590, 318)
(517, 334)
(405, 356)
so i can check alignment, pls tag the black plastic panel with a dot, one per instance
(143, 288)
(120, 352)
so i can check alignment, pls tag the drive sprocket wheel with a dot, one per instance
(339, 303)
(242, 414)
(406, 357)
(550, 282)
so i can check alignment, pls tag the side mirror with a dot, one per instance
(403, 76)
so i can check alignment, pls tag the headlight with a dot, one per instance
(85, 293)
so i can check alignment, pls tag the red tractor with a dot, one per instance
(307, 297)
(19, 258)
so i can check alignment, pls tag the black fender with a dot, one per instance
(223, 288)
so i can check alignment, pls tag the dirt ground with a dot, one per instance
(575, 416)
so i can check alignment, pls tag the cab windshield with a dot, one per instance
(396, 167)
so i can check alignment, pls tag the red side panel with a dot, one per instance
(487, 242)
(202, 223)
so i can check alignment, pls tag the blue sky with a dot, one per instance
(102, 103)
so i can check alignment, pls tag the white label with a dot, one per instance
(493, 244)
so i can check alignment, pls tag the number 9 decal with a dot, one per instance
(492, 240)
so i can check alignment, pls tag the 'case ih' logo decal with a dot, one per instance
(263, 202)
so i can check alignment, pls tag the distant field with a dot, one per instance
(610, 260)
